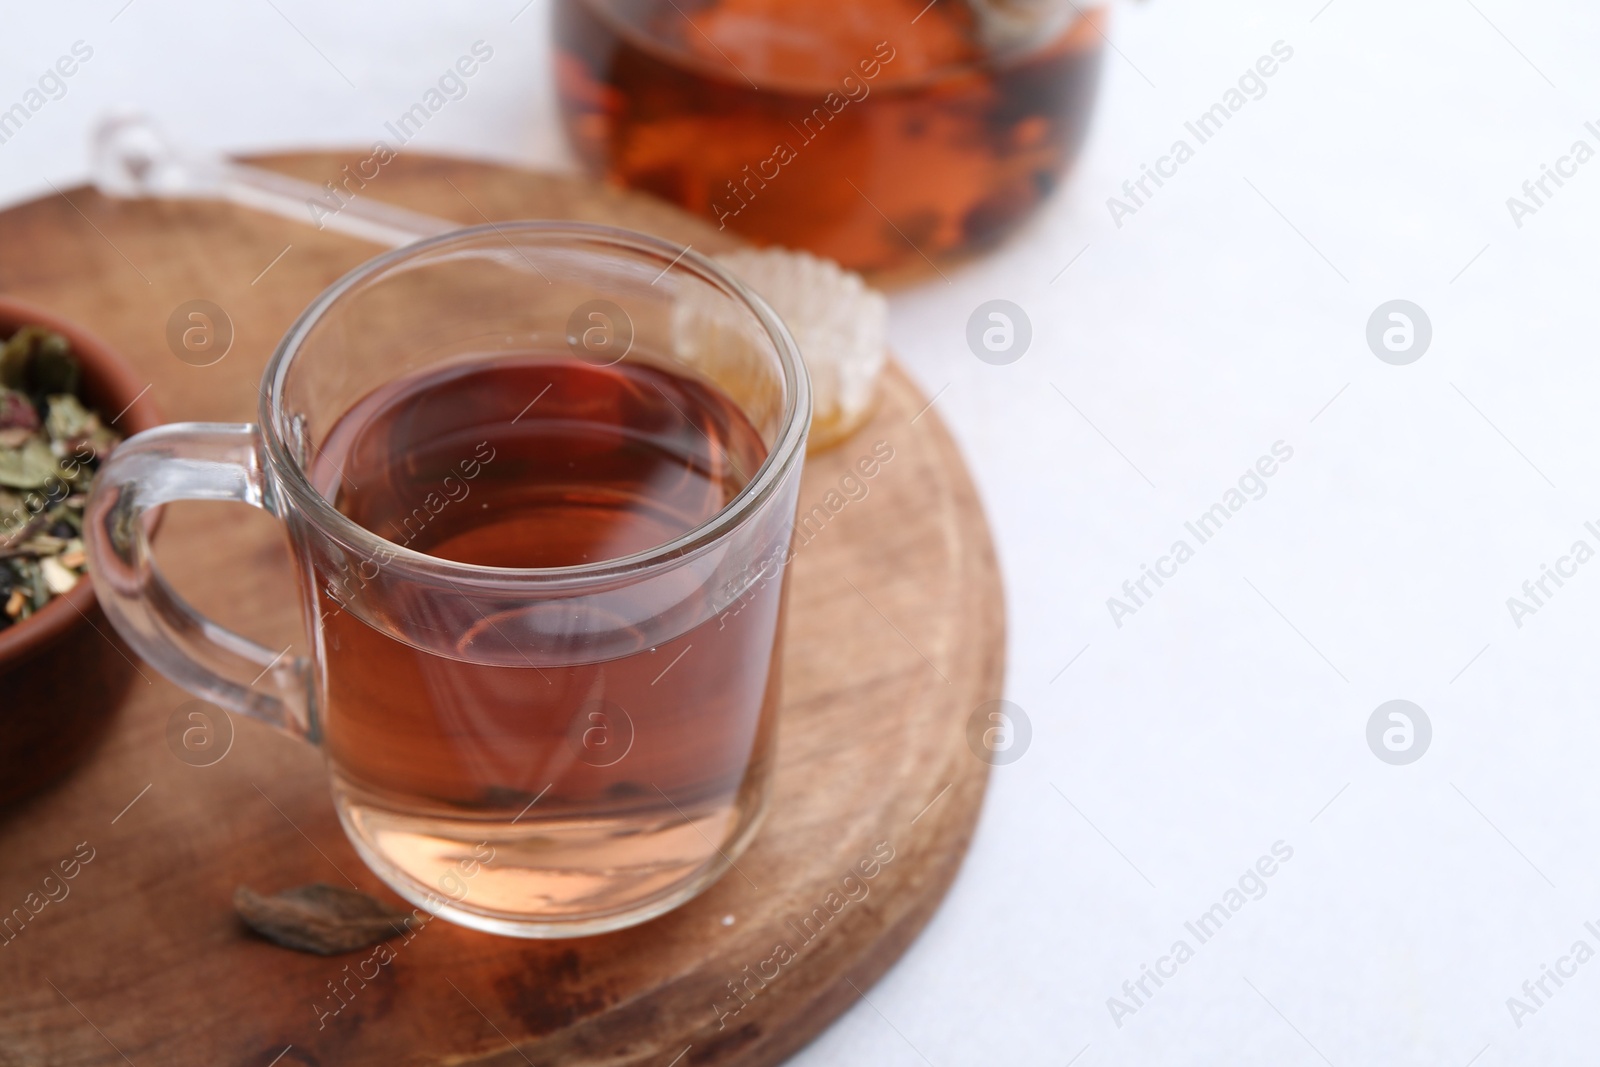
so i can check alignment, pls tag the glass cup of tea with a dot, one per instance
(539, 479)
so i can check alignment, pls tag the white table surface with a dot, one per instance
(1229, 313)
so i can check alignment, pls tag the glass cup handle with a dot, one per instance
(187, 461)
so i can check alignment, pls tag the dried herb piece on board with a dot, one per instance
(319, 918)
(50, 447)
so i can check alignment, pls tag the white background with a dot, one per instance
(1223, 317)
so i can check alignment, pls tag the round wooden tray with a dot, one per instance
(895, 638)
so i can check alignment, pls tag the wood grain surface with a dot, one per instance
(895, 638)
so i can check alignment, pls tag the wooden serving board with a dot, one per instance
(895, 638)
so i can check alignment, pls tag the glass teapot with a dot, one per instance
(883, 134)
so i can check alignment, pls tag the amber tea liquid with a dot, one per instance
(594, 783)
(873, 132)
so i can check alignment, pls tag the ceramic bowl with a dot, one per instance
(64, 670)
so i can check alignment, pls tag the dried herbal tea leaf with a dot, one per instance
(67, 418)
(57, 578)
(39, 362)
(29, 466)
(319, 918)
(14, 358)
(17, 411)
(54, 369)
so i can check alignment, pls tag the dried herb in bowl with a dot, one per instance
(50, 447)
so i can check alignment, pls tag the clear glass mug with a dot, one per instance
(525, 724)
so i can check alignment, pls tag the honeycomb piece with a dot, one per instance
(839, 323)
